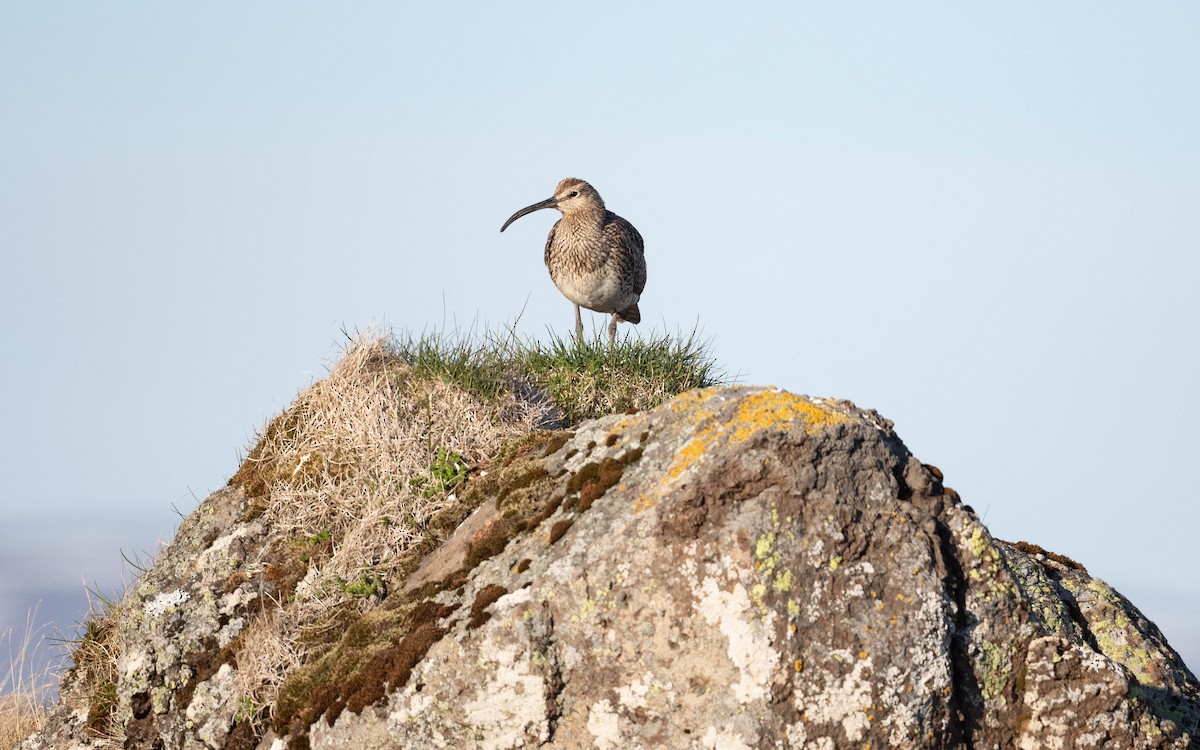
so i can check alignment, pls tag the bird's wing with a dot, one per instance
(620, 233)
(549, 242)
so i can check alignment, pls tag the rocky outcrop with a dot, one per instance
(738, 568)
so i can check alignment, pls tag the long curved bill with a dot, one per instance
(548, 203)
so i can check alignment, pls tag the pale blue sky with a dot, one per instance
(981, 221)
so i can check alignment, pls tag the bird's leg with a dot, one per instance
(578, 326)
(612, 332)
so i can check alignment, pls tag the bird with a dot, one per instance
(595, 258)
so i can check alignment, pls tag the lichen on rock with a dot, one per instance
(739, 567)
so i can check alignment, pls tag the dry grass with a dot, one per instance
(95, 658)
(25, 690)
(341, 461)
(336, 471)
(266, 657)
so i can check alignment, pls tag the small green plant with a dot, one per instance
(447, 470)
(320, 538)
(368, 584)
(246, 709)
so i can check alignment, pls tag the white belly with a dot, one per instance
(600, 292)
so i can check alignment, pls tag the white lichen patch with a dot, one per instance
(571, 658)
(212, 707)
(160, 604)
(412, 707)
(879, 494)
(604, 726)
(220, 546)
(507, 602)
(722, 739)
(749, 648)
(133, 664)
(634, 694)
(844, 700)
(510, 710)
(231, 630)
(237, 599)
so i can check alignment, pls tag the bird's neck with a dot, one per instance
(585, 217)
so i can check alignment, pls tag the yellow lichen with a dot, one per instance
(762, 547)
(760, 411)
(757, 593)
(783, 581)
(771, 409)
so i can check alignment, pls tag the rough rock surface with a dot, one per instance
(739, 568)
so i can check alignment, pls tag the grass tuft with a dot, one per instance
(581, 379)
(95, 657)
(589, 379)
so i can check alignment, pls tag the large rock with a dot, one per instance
(762, 570)
(741, 567)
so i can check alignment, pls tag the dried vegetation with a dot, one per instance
(25, 689)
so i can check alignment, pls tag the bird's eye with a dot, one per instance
(573, 193)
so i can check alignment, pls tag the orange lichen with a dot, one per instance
(765, 410)
(771, 409)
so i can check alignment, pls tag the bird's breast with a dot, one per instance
(592, 267)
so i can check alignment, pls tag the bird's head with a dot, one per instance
(573, 196)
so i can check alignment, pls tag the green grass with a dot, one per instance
(583, 379)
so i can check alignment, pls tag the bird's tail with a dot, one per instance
(630, 314)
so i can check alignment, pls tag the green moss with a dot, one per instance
(374, 655)
(513, 480)
(516, 482)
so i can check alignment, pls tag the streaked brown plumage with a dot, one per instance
(595, 257)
